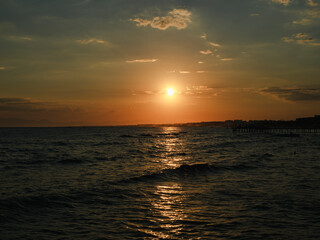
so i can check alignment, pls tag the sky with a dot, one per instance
(111, 62)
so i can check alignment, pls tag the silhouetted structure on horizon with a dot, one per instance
(300, 125)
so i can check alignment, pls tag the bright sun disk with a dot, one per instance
(170, 91)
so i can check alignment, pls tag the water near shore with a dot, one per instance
(157, 183)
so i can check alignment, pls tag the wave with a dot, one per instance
(188, 171)
(14, 206)
(171, 134)
(71, 161)
(177, 154)
(148, 135)
(126, 136)
(60, 143)
(166, 173)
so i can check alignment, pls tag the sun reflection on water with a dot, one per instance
(168, 209)
(167, 199)
(173, 146)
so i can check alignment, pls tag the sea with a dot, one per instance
(158, 183)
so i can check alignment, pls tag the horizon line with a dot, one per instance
(147, 124)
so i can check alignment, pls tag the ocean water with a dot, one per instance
(157, 183)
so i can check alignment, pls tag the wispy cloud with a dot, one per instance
(206, 52)
(287, 39)
(146, 92)
(301, 35)
(18, 38)
(226, 59)
(2, 68)
(313, 3)
(142, 61)
(201, 71)
(93, 40)
(191, 91)
(204, 36)
(304, 21)
(214, 44)
(308, 16)
(313, 13)
(293, 94)
(201, 91)
(13, 108)
(177, 18)
(26, 104)
(184, 72)
(254, 14)
(200, 62)
(301, 38)
(283, 2)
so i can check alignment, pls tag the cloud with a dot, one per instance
(20, 122)
(305, 41)
(19, 38)
(13, 100)
(302, 39)
(194, 91)
(28, 108)
(93, 40)
(287, 39)
(22, 112)
(214, 44)
(304, 21)
(283, 2)
(177, 18)
(313, 13)
(254, 14)
(204, 36)
(24, 104)
(226, 59)
(301, 35)
(314, 44)
(201, 91)
(141, 22)
(184, 72)
(308, 16)
(142, 61)
(200, 62)
(293, 94)
(312, 3)
(201, 71)
(3, 68)
(149, 92)
(207, 52)
(146, 92)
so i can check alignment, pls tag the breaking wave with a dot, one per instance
(187, 171)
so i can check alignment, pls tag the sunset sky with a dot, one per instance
(111, 62)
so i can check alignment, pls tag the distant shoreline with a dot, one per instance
(299, 123)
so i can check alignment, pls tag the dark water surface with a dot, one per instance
(157, 183)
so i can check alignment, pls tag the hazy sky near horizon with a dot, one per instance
(101, 62)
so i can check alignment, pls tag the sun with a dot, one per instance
(170, 91)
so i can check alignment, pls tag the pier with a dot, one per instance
(292, 128)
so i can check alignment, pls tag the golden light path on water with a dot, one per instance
(168, 207)
(173, 145)
(167, 203)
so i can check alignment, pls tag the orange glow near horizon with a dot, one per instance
(163, 64)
